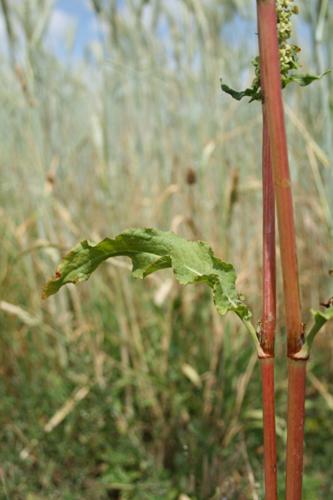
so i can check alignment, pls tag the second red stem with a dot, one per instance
(268, 319)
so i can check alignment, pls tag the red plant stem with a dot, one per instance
(272, 97)
(269, 259)
(270, 468)
(295, 420)
(268, 319)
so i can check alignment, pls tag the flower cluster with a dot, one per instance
(288, 52)
(288, 57)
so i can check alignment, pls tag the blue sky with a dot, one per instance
(77, 16)
(73, 24)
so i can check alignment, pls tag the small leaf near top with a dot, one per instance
(251, 92)
(304, 80)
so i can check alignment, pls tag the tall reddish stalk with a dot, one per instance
(268, 319)
(295, 426)
(272, 97)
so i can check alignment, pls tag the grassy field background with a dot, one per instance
(138, 390)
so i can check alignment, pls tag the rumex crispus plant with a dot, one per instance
(194, 262)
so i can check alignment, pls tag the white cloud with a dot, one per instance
(61, 25)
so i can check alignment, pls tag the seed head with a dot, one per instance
(288, 52)
(191, 176)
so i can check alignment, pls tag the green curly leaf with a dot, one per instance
(304, 80)
(238, 95)
(151, 250)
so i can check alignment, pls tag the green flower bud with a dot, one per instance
(288, 53)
